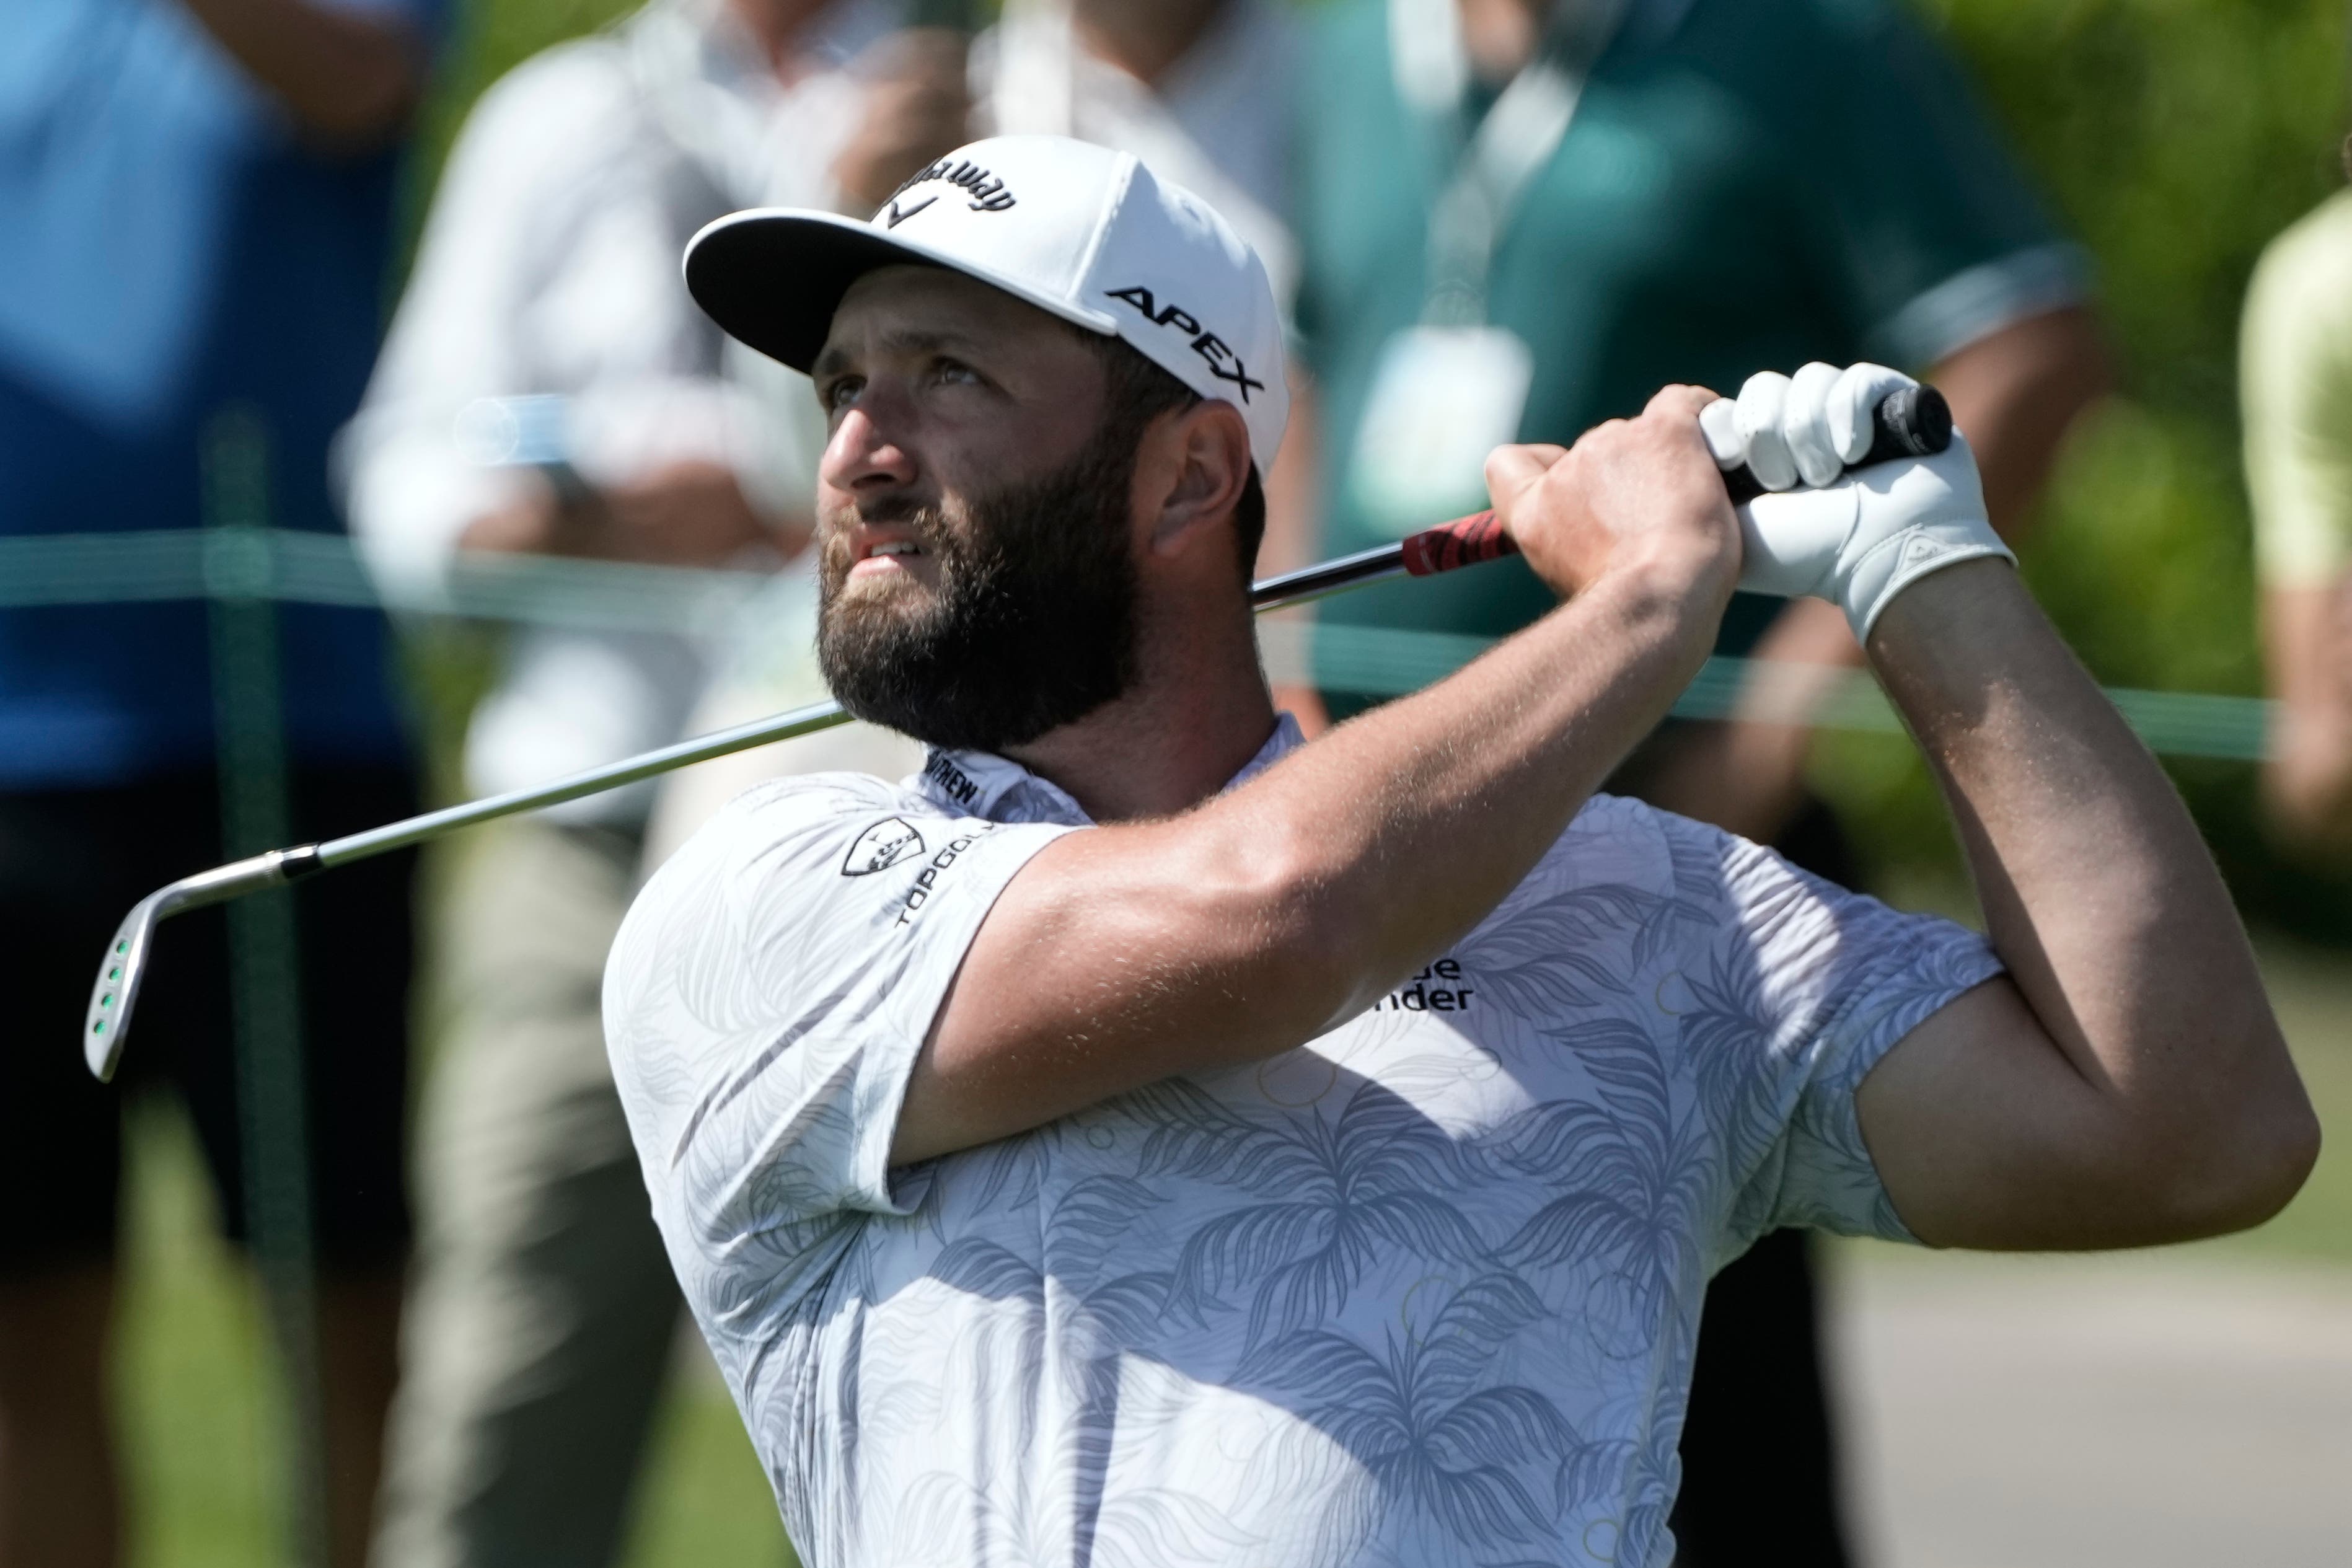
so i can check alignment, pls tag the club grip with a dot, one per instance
(1464, 541)
(1909, 422)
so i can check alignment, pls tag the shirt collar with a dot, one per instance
(982, 785)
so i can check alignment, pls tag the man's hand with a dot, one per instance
(1638, 496)
(688, 514)
(2014, 392)
(918, 108)
(1854, 541)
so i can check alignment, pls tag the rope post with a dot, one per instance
(264, 979)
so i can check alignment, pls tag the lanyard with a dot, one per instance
(1495, 164)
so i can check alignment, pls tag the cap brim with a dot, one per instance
(772, 277)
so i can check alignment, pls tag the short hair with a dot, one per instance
(1135, 392)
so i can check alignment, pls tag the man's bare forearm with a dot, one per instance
(2165, 1076)
(1447, 800)
(1254, 923)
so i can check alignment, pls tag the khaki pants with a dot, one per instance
(543, 1309)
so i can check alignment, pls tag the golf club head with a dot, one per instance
(107, 1027)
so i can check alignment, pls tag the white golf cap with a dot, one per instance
(1078, 230)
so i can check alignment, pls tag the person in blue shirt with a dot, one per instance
(196, 202)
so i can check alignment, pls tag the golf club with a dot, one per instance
(1910, 422)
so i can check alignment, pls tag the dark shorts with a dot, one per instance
(71, 864)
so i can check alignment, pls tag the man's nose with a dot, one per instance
(869, 449)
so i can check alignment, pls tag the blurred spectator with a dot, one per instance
(1518, 219)
(544, 1311)
(2295, 384)
(196, 199)
(1202, 91)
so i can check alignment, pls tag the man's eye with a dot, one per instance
(839, 394)
(956, 372)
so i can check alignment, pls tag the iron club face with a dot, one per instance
(107, 1027)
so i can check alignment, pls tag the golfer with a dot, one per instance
(1142, 1139)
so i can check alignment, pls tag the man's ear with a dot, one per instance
(1202, 469)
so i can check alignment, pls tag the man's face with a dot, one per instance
(974, 515)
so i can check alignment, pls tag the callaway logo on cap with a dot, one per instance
(1086, 233)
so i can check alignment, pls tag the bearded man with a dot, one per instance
(1141, 1138)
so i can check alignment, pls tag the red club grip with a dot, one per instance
(1464, 541)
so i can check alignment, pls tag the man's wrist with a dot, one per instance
(1937, 637)
(1690, 579)
(1672, 604)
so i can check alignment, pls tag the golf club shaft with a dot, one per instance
(1909, 422)
(1912, 422)
(1289, 588)
(106, 1027)
(1906, 423)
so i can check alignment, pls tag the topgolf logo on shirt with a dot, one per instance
(929, 877)
(881, 846)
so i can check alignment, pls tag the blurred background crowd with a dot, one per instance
(406, 272)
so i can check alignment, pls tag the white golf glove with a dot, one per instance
(1856, 540)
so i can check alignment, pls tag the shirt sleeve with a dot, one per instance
(1795, 991)
(2295, 384)
(768, 994)
(1926, 226)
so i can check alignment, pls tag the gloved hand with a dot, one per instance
(1856, 540)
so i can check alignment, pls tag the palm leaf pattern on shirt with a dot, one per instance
(942, 1518)
(1334, 1195)
(1728, 1032)
(1650, 1481)
(1085, 1339)
(1547, 954)
(1631, 1173)
(1691, 909)
(1489, 1463)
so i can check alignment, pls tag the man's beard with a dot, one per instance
(1032, 627)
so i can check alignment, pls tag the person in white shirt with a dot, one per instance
(1141, 1138)
(542, 1314)
(1203, 91)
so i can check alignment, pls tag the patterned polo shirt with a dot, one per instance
(1423, 1290)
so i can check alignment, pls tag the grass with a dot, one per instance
(198, 1403)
